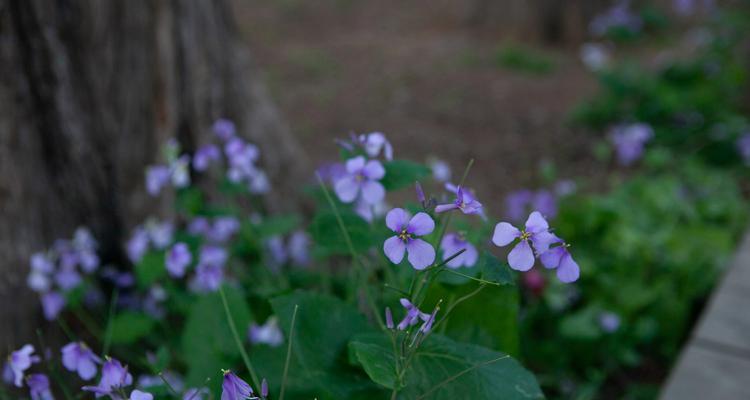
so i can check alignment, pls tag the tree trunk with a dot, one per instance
(89, 91)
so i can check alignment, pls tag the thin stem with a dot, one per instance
(52, 370)
(169, 386)
(66, 329)
(460, 374)
(480, 280)
(87, 322)
(237, 339)
(288, 353)
(397, 290)
(108, 329)
(459, 301)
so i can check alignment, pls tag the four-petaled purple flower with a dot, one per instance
(178, 258)
(465, 202)
(52, 304)
(451, 244)
(559, 258)
(421, 253)
(39, 387)
(362, 176)
(78, 357)
(114, 377)
(413, 315)
(521, 258)
(234, 388)
(21, 360)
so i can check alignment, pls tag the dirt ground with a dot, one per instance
(427, 79)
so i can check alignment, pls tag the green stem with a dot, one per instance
(87, 322)
(237, 339)
(288, 353)
(457, 302)
(108, 329)
(169, 386)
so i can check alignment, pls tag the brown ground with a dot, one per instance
(426, 79)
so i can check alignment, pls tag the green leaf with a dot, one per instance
(150, 269)
(327, 234)
(207, 341)
(278, 225)
(494, 270)
(401, 173)
(457, 370)
(129, 327)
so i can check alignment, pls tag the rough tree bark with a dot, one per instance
(89, 91)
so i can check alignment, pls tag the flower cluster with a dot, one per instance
(520, 202)
(296, 249)
(152, 235)
(629, 141)
(536, 233)
(60, 270)
(176, 170)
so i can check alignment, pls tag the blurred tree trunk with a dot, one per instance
(89, 91)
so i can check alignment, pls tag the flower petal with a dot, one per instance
(397, 219)
(347, 188)
(551, 258)
(504, 234)
(521, 258)
(86, 368)
(568, 271)
(542, 240)
(536, 223)
(421, 224)
(421, 253)
(372, 192)
(394, 249)
(470, 256)
(445, 207)
(374, 170)
(354, 165)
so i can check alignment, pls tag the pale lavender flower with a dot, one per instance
(199, 226)
(222, 229)
(196, 394)
(545, 202)
(451, 244)
(375, 143)
(629, 141)
(88, 260)
(268, 333)
(609, 322)
(234, 388)
(331, 172)
(52, 304)
(618, 16)
(420, 193)
(161, 233)
(259, 183)
(157, 176)
(427, 325)
(565, 187)
(521, 258)
(114, 377)
(276, 250)
(204, 156)
(21, 360)
(41, 268)
(39, 387)
(177, 260)
(413, 315)
(224, 129)
(362, 177)
(137, 245)
(743, 147)
(368, 211)
(560, 259)
(7, 373)
(264, 388)
(138, 395)
(441, 171)
(68, 278)
(77, 357)
(299, 248)
(406, 228)
(213, 255)
(595, 56)
(42, 263)
(180, 170)
(517, 203)
(388, 318)
(208, 278)
(465, 202)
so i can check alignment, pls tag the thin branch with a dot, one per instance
(288, 353)
(237, 339)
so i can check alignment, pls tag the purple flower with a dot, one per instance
(268, 333)
(77, 357)
(299, 248)
(199, 226)
(368, 211)
(361, 177)
(609, 322)
(137, 244)
(427, 325)
(41, 262)
(114, 377)
(465, 201)
(441, 171)
(178, 258)
(332, 171)
(521, 258)
(413, 315)
(39, 277)
(545, 202)
(421, 253)
(619, 16)
(565, 187)
(743, 147)
(68, 278)
(629, 141)
(595, 56)
(234, 388)
(374, 143)
(161, 233)
(224, 129)
(138, 395)
(264, 388)
(195, 394)
(156, 177)
(516, 204)
(52, 304)
(204, 156)
(181, 172)
(223, 228)
(39, 387)
(213, 255)
(559, 257)
(21, 360)
(451, 244)
(208, 278)
(420, 193)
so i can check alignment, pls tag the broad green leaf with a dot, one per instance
(328, 236)
(401, 173)
(128, 327)
(150, 269)
(454, 370)
(494, 270)
(277, 225)
(207, 341)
